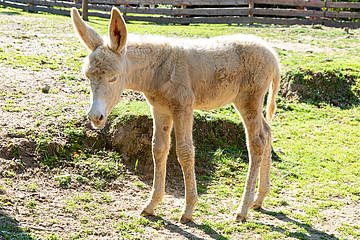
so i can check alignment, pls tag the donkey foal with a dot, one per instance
(176, 77)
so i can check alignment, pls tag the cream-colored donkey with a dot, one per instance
(176, 77)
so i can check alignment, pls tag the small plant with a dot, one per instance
(33, 187)
(139, 184)
(349, 230)
(159, 224)
(54, 221)
(15, 152)
(70, 206)
(85, 197)
(37, 123)
(8, 174)
(64, 180)
(52, 237)
(31, 204)
(81, 179)
(106, 198)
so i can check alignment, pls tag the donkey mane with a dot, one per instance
(211, 43)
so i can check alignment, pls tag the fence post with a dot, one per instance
(30, 6)
(85, 9)
(251, 8)
(327, 9)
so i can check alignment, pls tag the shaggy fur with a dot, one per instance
(178, 76)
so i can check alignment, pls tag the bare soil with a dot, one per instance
(28, 107)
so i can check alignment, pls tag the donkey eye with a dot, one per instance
(113, 79)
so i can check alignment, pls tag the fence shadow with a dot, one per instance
(9, 13)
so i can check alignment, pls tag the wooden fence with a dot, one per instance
(287, 12)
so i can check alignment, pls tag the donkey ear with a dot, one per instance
(117, 31)
(90, 38)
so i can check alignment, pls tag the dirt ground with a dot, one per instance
(56, 211)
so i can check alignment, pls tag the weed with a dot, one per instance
(8, 174)
(31, 204)
(64, 180)
(349, 230)
(70, 206)
(84, 197)
(52, 237)
(33, 187)
(106, 198)
(139, 184)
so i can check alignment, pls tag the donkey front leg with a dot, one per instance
(160, 149)
(183, 121)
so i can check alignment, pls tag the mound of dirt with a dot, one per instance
(337, 88)
(131, 136)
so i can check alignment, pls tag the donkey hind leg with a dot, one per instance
(258, 142)
(183, 121)
(265, 165)
(160, 149)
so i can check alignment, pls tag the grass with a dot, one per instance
(316, 161)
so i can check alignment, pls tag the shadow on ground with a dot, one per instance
(9, 226)
(311, 233)
(209, 137)
(132, 139)
(8, 12)
(331, 87)
(183, 232)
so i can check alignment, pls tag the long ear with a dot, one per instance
(117, 31)
(87, 35)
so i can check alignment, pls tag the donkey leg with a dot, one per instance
(160, 149)
(183, 121)
(256, 142)
(264, 184)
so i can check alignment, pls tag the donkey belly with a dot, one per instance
(216, 80)
(215, 95)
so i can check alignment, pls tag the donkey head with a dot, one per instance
(105, 66)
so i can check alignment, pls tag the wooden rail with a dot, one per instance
(287, 12)
(175, 2)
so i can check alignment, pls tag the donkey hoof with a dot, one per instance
(184, 219)
(147, 212)
(240, 218)
(256, 206)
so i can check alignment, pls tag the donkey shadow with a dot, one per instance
(180, 229)
(311, 233)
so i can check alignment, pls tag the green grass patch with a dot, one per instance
(316, 159)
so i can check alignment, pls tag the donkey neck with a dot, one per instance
(146, 60)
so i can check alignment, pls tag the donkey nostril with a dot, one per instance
(101, 117)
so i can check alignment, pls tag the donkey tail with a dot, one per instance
(273, 90)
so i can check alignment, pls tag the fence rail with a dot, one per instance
(287, 12)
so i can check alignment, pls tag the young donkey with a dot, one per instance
(178, 76)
